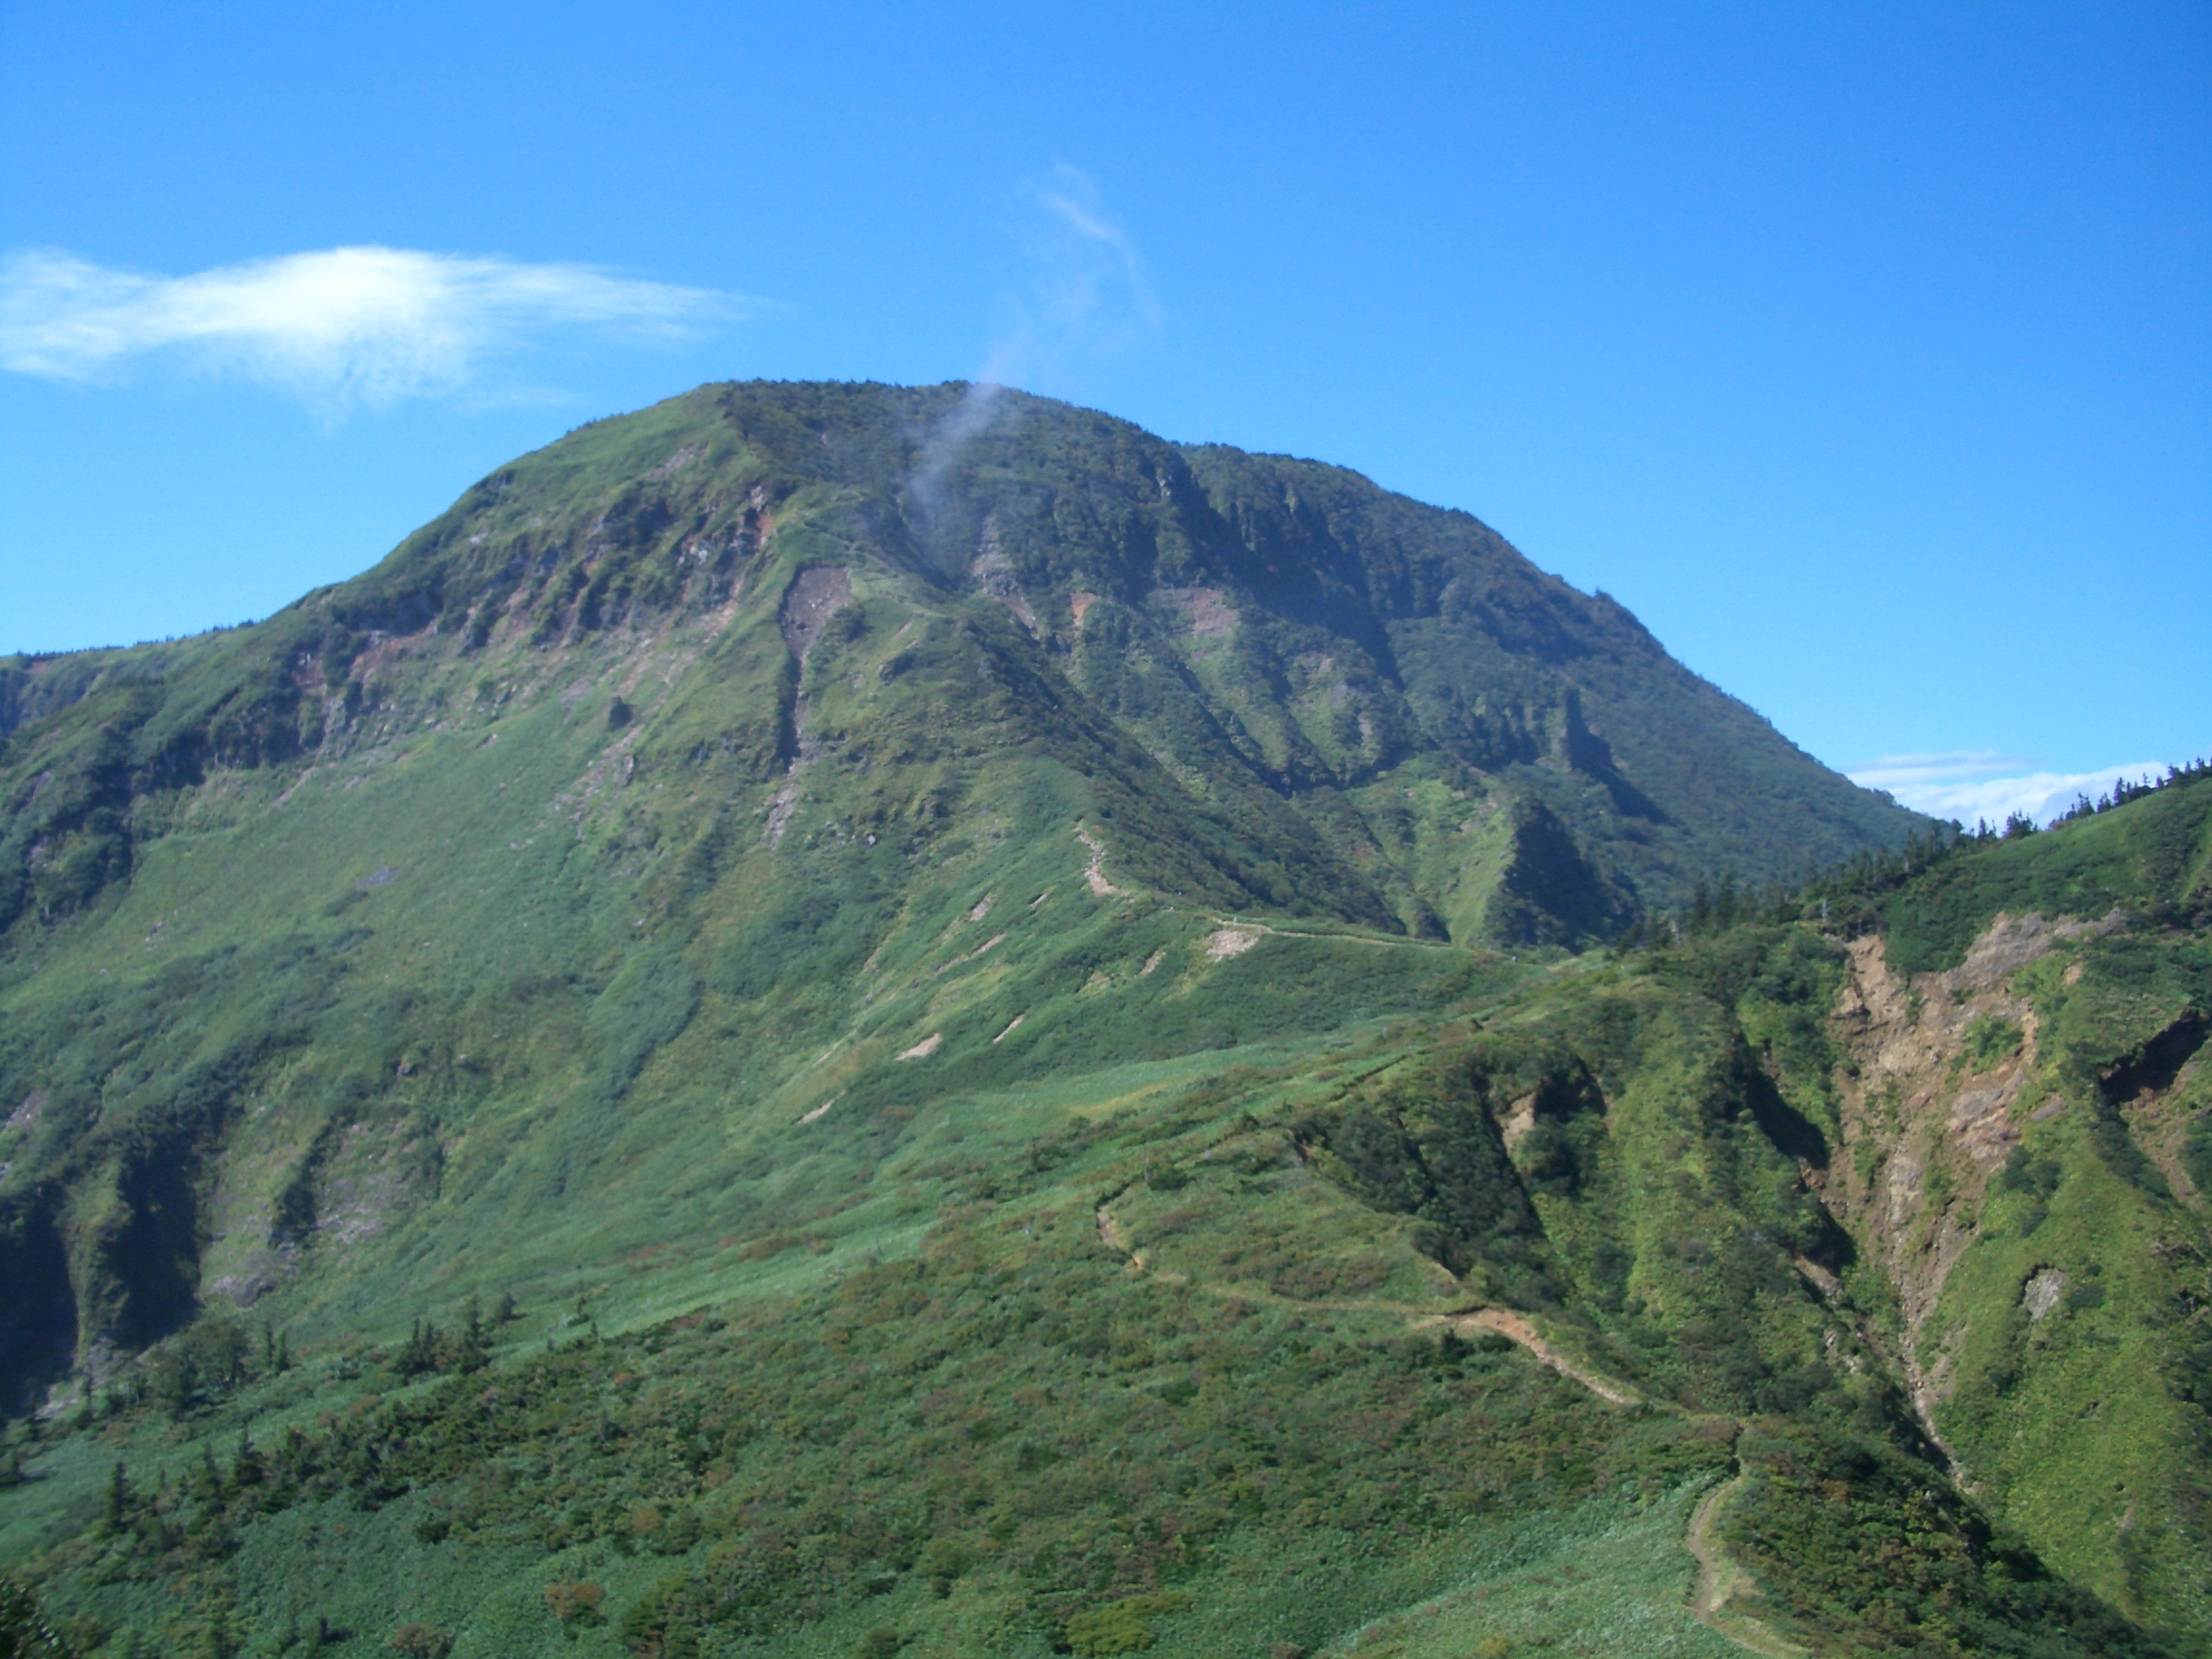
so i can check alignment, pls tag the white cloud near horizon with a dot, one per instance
(339, 328)
(1983, 785)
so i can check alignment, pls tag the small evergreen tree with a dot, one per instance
(247, 1468)
(177, 1380)
(474, 1351)
(118, 1511)
(209, 1483)
(421, 1354)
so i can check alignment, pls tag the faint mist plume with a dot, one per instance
(1080, 291)
(337, 329)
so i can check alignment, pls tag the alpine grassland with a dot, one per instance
(853, 1021)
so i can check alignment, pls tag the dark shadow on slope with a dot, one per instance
(1593, 756)
(38, 1310)
(1429, 1149)
(1814, 1231)
(2154, 1067)
(151, 1261)
(1559, 1155)
(1793, 1134)
(1550, 893)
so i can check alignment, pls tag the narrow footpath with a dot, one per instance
(1719, 1579)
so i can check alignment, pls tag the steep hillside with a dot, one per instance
(1718, 1297)
(698, 745)
(840, 1019)
(2026, 1116)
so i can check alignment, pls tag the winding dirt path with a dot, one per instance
(1513, 1326)
(1720, 1578)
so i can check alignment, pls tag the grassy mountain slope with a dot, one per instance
(1209, 1354)
(989, 1006)
(668, 773)
(1297, 648)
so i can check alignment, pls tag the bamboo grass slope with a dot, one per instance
(847, 1020)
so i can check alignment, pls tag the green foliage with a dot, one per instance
(1122, 1628)
(24, 1630)
(1863, 1547)
(2196, 1152)
(1426, 1147)
(1990, 1040)
(2146, 856)
(646, 1005)
(815, 935)
(984, 1112)
(576, 1602)
(419, 1640)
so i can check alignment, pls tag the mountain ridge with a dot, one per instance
(1468, 655)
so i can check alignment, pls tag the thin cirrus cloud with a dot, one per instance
(1078, 292)
(1082, 290)
(1981, 784)
(344, 326)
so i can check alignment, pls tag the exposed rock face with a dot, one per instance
(816, 595)
(1925, 1124)
(2041, 1293)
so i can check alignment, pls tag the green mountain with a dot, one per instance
(838, 1018)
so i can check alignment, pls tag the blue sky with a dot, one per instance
(1864, 352)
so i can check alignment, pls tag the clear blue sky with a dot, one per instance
(1864, 352)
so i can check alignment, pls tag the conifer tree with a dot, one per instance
(246, 1464)
(474, 1352)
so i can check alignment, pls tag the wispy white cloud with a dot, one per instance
(1082, 287)
(339, 328)
(1976, 785)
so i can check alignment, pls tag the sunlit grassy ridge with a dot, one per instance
(1000, 1013)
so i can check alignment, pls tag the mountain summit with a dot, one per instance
(1333, 700)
